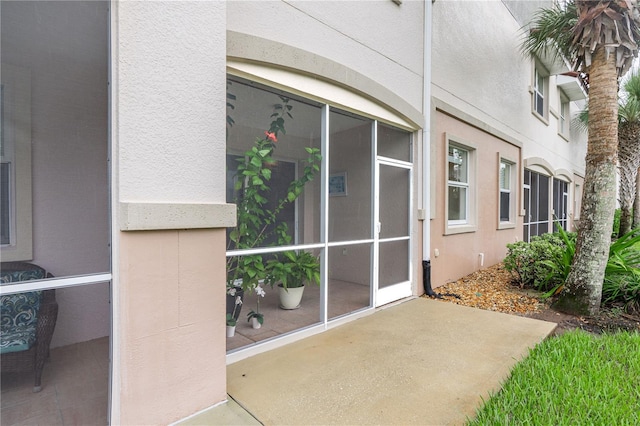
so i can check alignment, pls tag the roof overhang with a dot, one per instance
(571, 87)
(554, 63)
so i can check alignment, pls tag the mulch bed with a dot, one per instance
(492, 289)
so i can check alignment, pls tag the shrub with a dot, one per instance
(622, 275)
(560, 264)
(532, 264)
(545, 263)
(622, 288)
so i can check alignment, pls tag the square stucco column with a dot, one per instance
(168, 87)
(172, 336)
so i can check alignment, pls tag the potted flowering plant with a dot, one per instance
(232, 317)
(255, 317)
(256, 223)
(291, 270)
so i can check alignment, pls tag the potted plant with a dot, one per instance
(291, 270)
(255, 317)
(256, 223)
(232, 317)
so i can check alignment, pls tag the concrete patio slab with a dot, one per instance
(420, 362)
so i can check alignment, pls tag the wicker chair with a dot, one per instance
(30, 358)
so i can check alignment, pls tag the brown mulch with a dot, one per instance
(492, 289)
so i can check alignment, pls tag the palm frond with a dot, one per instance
(632, 84)
(629, 111)
(581, 120)
(549, 33)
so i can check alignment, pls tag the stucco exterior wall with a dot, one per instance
(377, 38)
(168, 127)
(460, 254)
(481, 71)
(482, 78)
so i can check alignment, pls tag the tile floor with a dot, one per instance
(344, 297)
(75, 385)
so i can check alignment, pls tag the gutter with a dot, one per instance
(425, 214)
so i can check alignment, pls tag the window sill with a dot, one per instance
(563, 136)
(506, 225)
(459, 229)
(541, 118)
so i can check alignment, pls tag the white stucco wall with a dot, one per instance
(481, 71)
(171, 102)
(377, 38)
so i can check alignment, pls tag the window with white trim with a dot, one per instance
(458, 185)
(564, 117)
(539, 91)
(460, 192)
(507, 197)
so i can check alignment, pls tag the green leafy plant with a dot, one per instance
(616, 224)
(256, 314)
(255, 222)
(545, 264)
(529, 262)
(231, 317)
(622, 274)
(560, 265)
(293, 269)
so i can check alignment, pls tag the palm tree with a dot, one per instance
(601, 39)
(628, 149)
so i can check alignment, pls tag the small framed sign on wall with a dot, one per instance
(338, 184)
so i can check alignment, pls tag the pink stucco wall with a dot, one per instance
(459, 254)
(172, 334)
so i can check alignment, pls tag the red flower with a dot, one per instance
(271, 136)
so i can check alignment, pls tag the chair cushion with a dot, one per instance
(17, 339)
(12, 276)
(18, 320)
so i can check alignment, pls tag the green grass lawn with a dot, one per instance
(575, 379)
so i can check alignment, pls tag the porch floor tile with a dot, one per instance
(75, 384)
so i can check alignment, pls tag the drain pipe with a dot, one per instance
(426, 154)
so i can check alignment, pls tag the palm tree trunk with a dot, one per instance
(582, 292)
(628, 163)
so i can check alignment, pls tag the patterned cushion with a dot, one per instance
(17, 339)
(34, 273)
(19, 312)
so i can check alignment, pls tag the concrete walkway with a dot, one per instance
(421, 362)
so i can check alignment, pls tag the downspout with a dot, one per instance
(426, 154)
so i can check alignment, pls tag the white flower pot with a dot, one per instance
(255, 323)
(290, 298)
(231, 330)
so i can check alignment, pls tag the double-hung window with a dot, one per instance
(461, 186)
(507, 197)
(458, 185)
(539, 93)
(563, 119)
